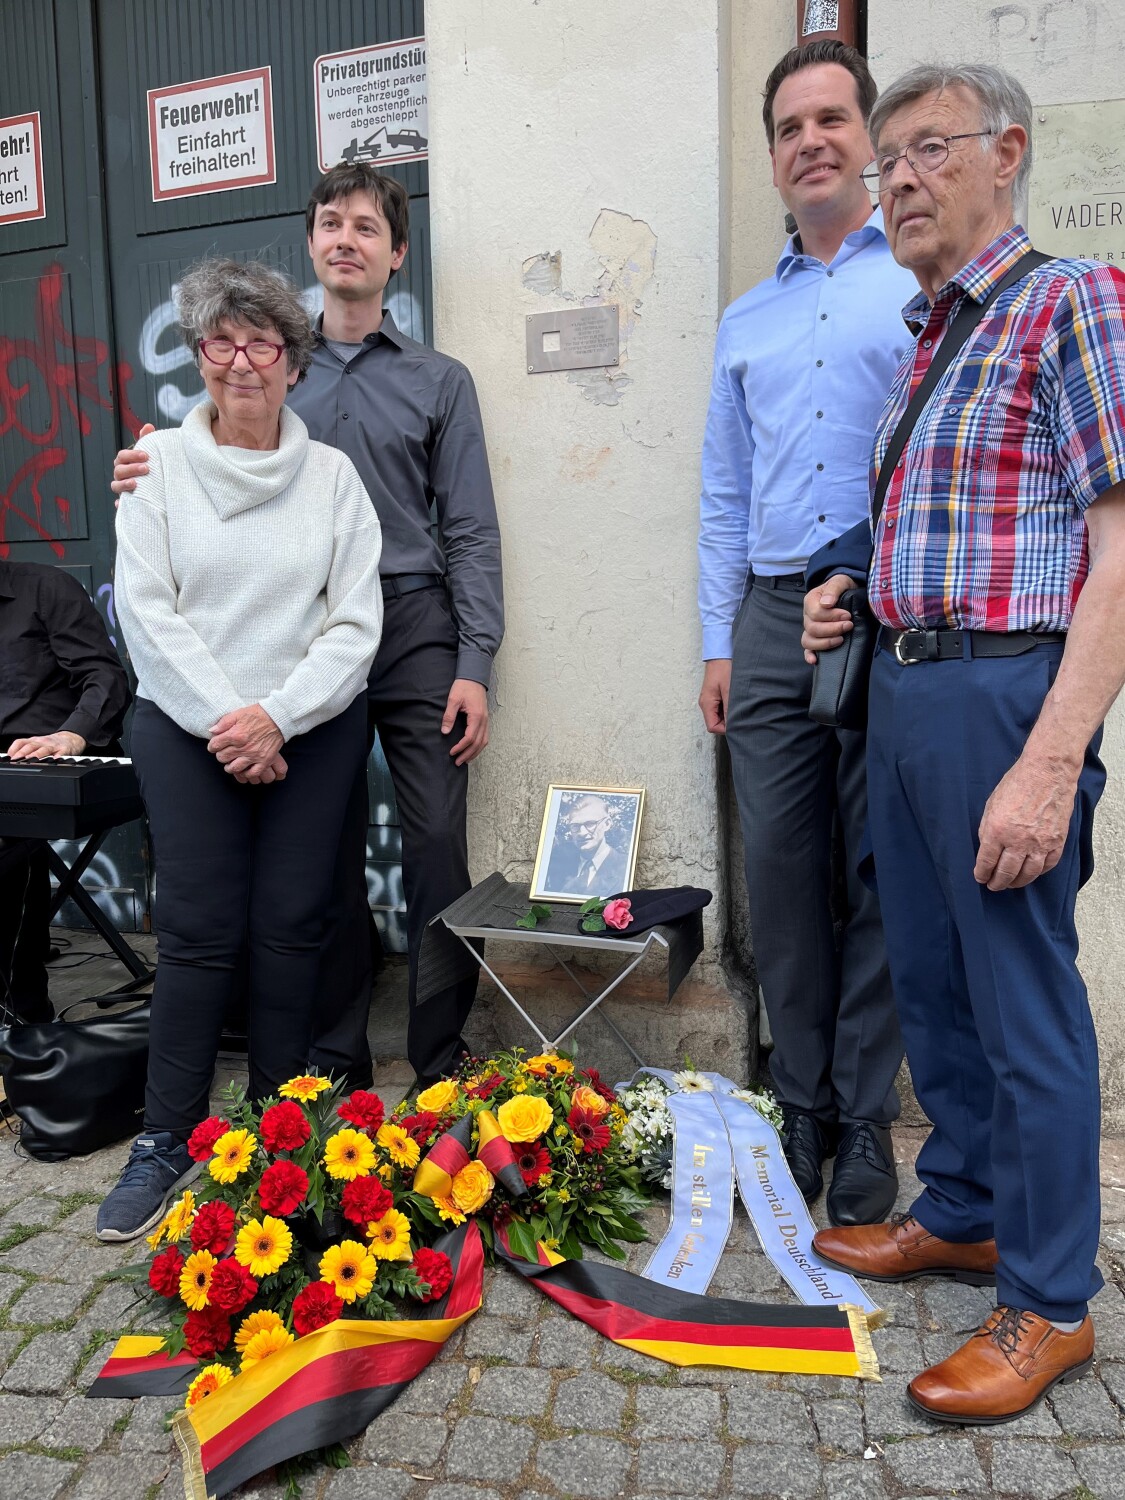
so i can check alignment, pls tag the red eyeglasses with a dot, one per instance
(260, 352)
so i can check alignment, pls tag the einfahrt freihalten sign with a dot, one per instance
(1078, 181)
(211, 135)
(372, 104)
(21, 169)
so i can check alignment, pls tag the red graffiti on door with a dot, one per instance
(48, 384)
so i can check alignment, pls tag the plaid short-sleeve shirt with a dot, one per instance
(982, 527)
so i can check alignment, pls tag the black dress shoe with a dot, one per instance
(805, 1141)
(865, 1184)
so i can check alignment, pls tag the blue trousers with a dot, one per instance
(993, 1010)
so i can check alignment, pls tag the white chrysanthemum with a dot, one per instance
(691, 1082)
(765, 1104)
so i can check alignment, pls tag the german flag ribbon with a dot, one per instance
(683, 1328)
(321, 1389)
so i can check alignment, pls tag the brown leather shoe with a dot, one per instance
(901, 1250)
(1003, 1371)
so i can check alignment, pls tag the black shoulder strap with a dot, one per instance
(947, 351)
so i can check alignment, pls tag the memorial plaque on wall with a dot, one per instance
(1078, 181)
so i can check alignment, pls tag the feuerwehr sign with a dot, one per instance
(1078, 180)
(372, 104)
(212, 135)
(21, 169)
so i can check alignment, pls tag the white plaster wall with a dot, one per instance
(1063, 51)
(569, 129)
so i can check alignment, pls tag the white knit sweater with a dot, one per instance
(248, 577)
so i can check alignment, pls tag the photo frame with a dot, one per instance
(587, 842)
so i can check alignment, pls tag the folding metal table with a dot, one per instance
(490, 910)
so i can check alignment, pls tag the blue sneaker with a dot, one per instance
(158, 1166)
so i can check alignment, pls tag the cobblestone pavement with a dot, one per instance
(526, 1403)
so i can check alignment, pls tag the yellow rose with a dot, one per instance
(472, 1187)
(438, 1097)
(524, 1119)
(589, 1100)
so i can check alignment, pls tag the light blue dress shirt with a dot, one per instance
(803, 364)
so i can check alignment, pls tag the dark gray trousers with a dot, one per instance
(837, 1046)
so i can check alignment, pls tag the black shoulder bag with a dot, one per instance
(840, 677)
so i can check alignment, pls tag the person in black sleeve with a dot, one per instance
(408, 419)
(63, 691)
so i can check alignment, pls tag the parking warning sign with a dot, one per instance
(212, 135)
(21, 169)
(372, 104)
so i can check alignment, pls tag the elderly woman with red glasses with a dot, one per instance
(247, 588)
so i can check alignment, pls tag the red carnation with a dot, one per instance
(212, 1227)
(420, 1127)
(284, 1127)
(365, 1199)
(232, 1287)
(203, 1137)
(594, 1079)
(206, 1332)
(164, 1273)
(533, 1162)
(317, 1305)
(282, 1188)
(363, 1110)
(434, 1268)
(487, 1087)
(588, 1128)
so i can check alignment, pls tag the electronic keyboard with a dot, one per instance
(66, 797)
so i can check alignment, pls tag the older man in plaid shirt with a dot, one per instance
(998, 574)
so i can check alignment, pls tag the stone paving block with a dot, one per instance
(46, 1366)
(41, 1254)
(887, 1412)
(938, 1346)
(1111, 1299)
(1028, 1467)
(512, 1392)
(900, 1303)
(769, 1417)
(1084, 1409)
(594, 1402)
(592, 1467)
(898, 1350)
(367, 1483)
(1099, 1468)
(35, 1212)
(438, 1385)
(81, 1221)
(839, 1425)
(690, 1414)
(9, 1343)
(566, 1343)
(147, 1431)
(1113, 1378)
(681, 1467)
(854, 1481)
(117, 1308)
(10, 1284)
(107, 1477)
(1109, 1331)
(745, 1277)
(488, 1448)
(80, 1423)
(509, 1296)
(781, 1472)
(942, 1464)
(1039, 1422)
(613, 1357)
(810, 1387)
(395, 1437)
(955, 1308)
(497, 1338)
(22, 1419)
(29, 1476)
(48, 1302)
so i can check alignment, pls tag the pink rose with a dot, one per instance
(617, 914)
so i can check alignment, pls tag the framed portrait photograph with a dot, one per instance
(588, 842)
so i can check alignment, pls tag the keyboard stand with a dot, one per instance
(70, 887)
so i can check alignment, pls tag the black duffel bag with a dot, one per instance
(76, 1086)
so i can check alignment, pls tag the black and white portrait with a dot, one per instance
(588, 844)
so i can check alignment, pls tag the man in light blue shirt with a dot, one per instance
(803, 363)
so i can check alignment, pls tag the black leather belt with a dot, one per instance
(410, 583)
(780, 581)
(911, 646)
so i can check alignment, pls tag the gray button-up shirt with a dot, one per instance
(408, 418)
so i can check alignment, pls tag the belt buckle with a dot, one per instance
(905, 661)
